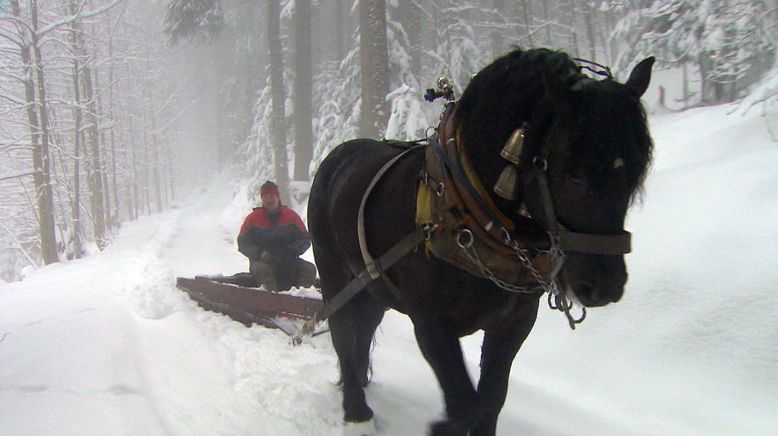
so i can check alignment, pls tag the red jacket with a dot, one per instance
(259, 218)
(282, 234)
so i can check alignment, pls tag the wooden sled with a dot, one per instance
(235, 297)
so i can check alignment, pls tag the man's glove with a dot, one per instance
(251, 251)
(299, 246)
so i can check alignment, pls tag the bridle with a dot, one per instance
(561, 240)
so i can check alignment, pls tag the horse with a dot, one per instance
(584, 156)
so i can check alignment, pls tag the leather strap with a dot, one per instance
(369, 261)
(611, 245)
(386, 261)
(589, 243)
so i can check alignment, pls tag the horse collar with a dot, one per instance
(475, 196)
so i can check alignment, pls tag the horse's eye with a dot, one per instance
(576, 178)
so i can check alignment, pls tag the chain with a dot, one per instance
(472, 254)
(557, 300)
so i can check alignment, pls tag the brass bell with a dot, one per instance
(512, 150)
(507, 185)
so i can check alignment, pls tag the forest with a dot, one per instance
(115, 109)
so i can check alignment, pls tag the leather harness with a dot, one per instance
(462, 213)
(455, 218)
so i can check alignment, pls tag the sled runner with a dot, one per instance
(235, 297)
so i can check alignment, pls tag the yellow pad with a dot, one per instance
(423, 206)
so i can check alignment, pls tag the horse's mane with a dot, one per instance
(512, 91)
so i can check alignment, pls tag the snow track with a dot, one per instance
(108, 345)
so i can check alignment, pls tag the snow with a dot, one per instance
(108, 345)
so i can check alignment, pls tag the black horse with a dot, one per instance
(590, 140)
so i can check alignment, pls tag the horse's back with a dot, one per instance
(337, 191)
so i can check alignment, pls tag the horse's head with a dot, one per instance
(586, 141)
(592, 152)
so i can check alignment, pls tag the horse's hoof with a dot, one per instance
(447, 428)
(360, 414)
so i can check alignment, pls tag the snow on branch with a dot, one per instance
(78, 15)
(16, 175)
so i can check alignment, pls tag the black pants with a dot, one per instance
(281, 275)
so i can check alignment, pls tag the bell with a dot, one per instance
(507, 185)
(512, 150)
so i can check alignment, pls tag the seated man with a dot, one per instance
(272, 237)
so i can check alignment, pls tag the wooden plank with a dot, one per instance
(247, 304)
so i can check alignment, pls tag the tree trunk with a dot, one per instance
(95, 165)
(146, 176)
(113, 129)
(588, 15)
(412, 25)
(41, 162)
(496, 34)
(278, 128)
(134, 206)
(303, 91)
(685, 84)
(155, 164)
(571, 19)
(527, 22)
(170, 174)
(77, 135)
(547, 23)
(101, 141)
(374, 63)
(340, 29)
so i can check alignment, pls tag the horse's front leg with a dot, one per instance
(499, 348)
(440, 346)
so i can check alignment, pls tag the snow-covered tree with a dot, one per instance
(719, 37)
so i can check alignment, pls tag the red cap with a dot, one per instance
(269, 188)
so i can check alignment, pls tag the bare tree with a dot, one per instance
(277, 89)
(28, 41)
(303, 90)
(374, 62)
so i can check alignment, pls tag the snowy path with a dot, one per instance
(116, 341)
(108, 345)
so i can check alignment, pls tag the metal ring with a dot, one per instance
(440, 189)
(540, 163)
(460, 241)
(506, 236)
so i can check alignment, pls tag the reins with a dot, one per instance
(373, 268)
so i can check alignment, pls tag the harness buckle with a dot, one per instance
(428, 228)
(465, 239)
(440, 189)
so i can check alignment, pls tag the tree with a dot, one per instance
(28, 41)
(719, 37)
(303, 90)
(734, 51)
(193, 19)
(374, 68)
(278, 127)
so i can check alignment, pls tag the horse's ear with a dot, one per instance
(640, 76)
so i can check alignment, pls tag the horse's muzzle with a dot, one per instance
(595, 280)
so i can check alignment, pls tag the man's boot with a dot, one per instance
(306, 274)
(263, 273)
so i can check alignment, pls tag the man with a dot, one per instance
(273, 237)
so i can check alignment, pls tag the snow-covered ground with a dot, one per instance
(108, 345)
